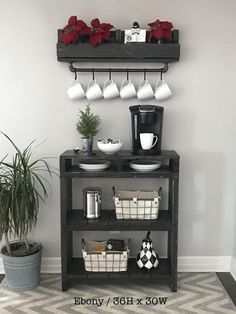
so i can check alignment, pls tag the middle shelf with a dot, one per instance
(107, 221)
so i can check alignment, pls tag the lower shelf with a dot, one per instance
(77, 272)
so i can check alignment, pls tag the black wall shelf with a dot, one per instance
(120, 52)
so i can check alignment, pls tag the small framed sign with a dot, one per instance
(135, 34)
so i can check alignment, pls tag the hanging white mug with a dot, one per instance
(75, 91)
(110, 89)
(127, 90)
(145, 90)
(162, 90)
(94, 91)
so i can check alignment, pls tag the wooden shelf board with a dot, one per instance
(134, 52)
(112, 172)
(107, 221)
(77, 271)
(123, 154)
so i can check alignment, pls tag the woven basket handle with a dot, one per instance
(160, 192)
(83, 243)
(129, 242)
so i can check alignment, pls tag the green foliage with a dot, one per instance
(22, 186)
(88, 123)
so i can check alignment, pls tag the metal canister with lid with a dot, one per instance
(92, 199)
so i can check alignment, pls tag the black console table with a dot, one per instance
(73, 271)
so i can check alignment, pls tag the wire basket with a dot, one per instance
(106, 261)
(137, 204)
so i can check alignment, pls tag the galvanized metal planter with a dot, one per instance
(23, 272)
(87, 145)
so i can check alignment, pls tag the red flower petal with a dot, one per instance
(72, 20)
(167, 34)
(96, 39)
(166, 25)
(106, 35)
(64, 28)
(95, 23)
(86, 30)
(156, 23)
(106, 26)
(71, 37)
(75, 37)
(100, 30)
(80, 25)
(158, 33)
(66, 38)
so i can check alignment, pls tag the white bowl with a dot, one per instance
(94, 165)
(109, 148)
(144, 165)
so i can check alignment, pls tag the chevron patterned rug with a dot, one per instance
(197, 293)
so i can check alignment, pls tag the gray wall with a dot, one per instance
(199, 119)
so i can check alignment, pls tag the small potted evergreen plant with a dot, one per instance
(88, 126)
(22, 186)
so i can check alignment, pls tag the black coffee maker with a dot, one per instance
(146, 119)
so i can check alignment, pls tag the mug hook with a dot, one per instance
(93, 74)
(75, 75)
(110, 74)
(127, 74)
(161, 74)
(144, 74)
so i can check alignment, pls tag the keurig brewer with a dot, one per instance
(146, 124)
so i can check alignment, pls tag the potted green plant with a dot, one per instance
(88, 126)
(22, 186)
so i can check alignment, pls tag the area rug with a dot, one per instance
(197, 293)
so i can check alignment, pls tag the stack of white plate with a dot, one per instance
(94, 165)
(144, 165)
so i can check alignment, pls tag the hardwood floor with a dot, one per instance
(226, 279)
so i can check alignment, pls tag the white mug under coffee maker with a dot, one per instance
(146, 140)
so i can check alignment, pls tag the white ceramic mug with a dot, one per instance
(146, 140)
(93, 91)
(162, 90)
(75, 91)
(110, 89)
(145, 90)
(127, 90)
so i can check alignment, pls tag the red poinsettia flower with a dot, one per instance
(73, 30)
(160, 30)
(99, 32)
